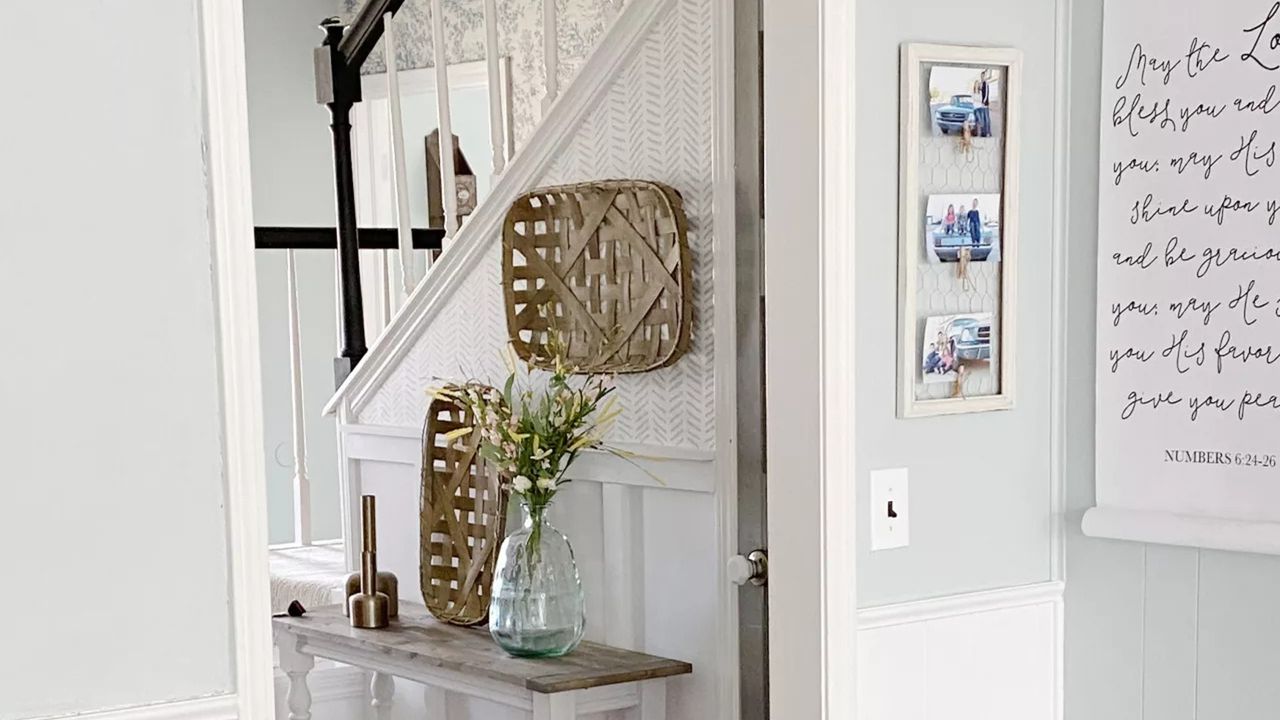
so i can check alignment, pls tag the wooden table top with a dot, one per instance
(416, 637)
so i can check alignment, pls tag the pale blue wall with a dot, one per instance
(980, 517)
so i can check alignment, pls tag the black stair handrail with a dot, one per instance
(326, 238)
(366, 30)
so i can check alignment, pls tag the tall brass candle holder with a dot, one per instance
(369, 608)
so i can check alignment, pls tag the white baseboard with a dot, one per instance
(218, 707)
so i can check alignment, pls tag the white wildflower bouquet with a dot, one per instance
(534, 435)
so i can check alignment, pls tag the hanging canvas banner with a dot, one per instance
(1188, 353)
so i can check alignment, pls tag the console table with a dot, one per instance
(445, 658)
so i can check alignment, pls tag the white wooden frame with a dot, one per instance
(235, 282)
(910, 254)
(809, 272)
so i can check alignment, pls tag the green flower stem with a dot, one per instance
(537, 510)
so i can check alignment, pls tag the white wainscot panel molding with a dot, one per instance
(670, 468)
(994, 655)
(626, 527)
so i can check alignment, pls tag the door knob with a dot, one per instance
(754, 568)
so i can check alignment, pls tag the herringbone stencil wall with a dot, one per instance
(656, 123)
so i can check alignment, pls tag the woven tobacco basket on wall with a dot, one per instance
(463, 518)
(603, 269)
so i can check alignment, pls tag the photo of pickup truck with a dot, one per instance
(966, 101)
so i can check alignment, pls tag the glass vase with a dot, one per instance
(537, 607)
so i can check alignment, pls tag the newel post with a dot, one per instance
(338, 87)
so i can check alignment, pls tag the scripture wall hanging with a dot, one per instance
(1188, 306)
(463, 517)
(602, 270)
(958, 235)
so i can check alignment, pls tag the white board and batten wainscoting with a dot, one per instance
(993, 655)
(1188, 396)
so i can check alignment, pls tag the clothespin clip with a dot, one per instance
(958, 392)
(964, 141)
(963, 258)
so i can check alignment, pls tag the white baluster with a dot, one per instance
(550, 54)
(495, 85)
(448, 178)
(383, 689)
(301, 483)
(508, 115)
(410, 270)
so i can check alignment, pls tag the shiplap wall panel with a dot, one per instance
(1239, 637)
(1169, 632)
(1104, 617)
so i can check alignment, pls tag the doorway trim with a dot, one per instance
(226, 139)
(809, 349)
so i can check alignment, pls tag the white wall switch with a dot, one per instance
(890, 519)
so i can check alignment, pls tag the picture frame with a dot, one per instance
(996, 282)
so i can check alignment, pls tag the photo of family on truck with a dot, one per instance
(956, 223)
(963, 98)
(951, 341)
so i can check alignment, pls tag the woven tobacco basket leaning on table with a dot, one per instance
(463, 518)
(605, 267)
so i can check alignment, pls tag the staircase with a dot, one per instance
(527, 75)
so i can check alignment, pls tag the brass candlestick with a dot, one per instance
(388, 584)
(369, 608)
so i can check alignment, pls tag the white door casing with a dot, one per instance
(809, 205)
(235, 284)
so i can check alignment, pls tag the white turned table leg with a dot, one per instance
(383, 689)
(653, 700)
(560, 706)
(436, 701)
(296, 665)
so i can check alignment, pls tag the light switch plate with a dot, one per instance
(890, 516)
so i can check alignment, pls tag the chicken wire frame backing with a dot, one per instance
(605, 266)
(912, 314)
(463, 518)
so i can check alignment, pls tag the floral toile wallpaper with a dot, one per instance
(580, 24)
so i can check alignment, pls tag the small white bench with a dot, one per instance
(314, 575)
(445, 658)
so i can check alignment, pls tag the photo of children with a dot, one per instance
(966, 100)
(962, 222)
(951, 341)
